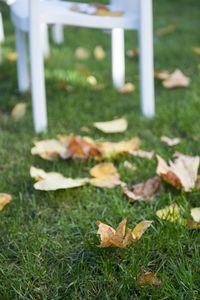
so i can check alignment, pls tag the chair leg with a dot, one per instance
(22, 64)
(45, 40)
(146, 59)
(57, 34)
(1, 29)
(118, 57)
(37, 72)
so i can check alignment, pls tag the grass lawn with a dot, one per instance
(48, 240)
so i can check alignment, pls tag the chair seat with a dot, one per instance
(60, 12)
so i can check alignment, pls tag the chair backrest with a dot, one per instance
(127, 5)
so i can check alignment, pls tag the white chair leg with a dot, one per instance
(37, 71)
(118, 57)
(22, 64)
(146, 59)
(2, 37)
(45, 40)
(57, 34)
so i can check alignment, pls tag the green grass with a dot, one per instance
(48, 241)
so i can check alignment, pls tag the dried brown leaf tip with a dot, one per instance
(169, 141)
(105, 175)
(119, 238)
(4, 200)
(182, 173)
(148, 278)
(143, 191)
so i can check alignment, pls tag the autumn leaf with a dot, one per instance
(11, 56)
(166, 30)
(143, 191)
(176, 79)
(82, 53)
(18, 111)
(49, 149)
(170, 142)
(119, 238)
(142, 154)
(182, 173)
(129, 165)
(148, 278)
(99, 52)
(196, 50)
(114, 126)
(95, 9)
(127, 88)
(170, 213)
(194, 223)
(132, 53)
(4, 200)
(39, 174)
(106, 175)
(162, 75)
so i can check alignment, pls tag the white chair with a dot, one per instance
(1, 29)
(137, 16)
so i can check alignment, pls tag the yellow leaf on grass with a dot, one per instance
(141, 153)
(170, 142)
(82, 53)
(127, 88)
(119, 238)
(176, 79)
(39, 174)
(99, 52)
(106, 175)
(18, 111)
(132, 53)
(11, 56)
(166, 30)
(182, 173)
(49, 149)
(114, 126)
(4, 200)
(170, 213)
(196, 50)
(162, 75)
(148, 278)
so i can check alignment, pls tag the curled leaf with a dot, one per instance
(4, 200)
(182, 173)
(114, 126)
(49, 149)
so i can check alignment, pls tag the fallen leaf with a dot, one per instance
(132, 53)
(182, 173)
(170, 142)
(148, 278)
(166, 30)
(106, 175)
(195, 213)
(92, 80)
(99, 52)
(49, 149)
(82, 53)
(196, 50)
(60, 182)
(85, 129)
(114, 126)
(4, 200)
(11, 56)
(95, 9)
(143, 191)
(18, 111)
(176, 79)
(127, 88)
(119, 238)
(109, 149)
(129, 166)
(141, 153)
(39, 174)
(170, 213)
(162, 75)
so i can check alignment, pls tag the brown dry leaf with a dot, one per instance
(82, 53)
(182, 173)
(148, 278)
(162, 75)
(170, 142)
(99, 52)
(109, 149)
(4, 200)
(143, 191)
(11, 56)
(132, 53)
(166, 30)
(119, 238)
(114, 126)
(106, 175)
(141, 153)
(196, 50)
(176, 79)
(198, 182)
(18, 111)
(127, 88)
(49, 149)
(170, 213)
